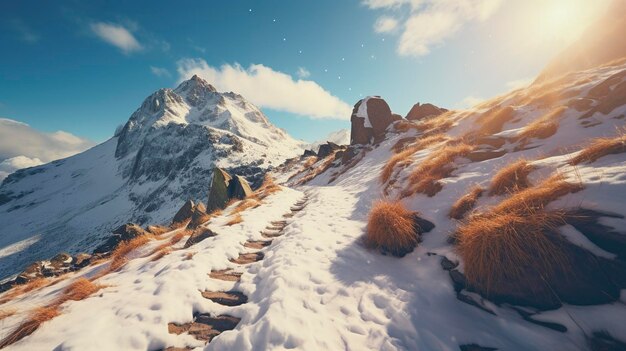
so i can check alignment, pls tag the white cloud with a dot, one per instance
(117, 36)
(11, 165)
(385, 24)
(18, 139)
(269, 89)
(431, 22)
(160, 71)
(519, 83)
(303, 72)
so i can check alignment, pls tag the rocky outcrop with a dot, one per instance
(307, 153)
(125, 232)
(198, 217)
(224, 188)
(327, 149)
(419, 111)
(370, 118)
(184, 213)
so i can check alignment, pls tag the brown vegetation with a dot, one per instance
(6, 313)
(600, 147)
(118, 257)
(36, 318)
(404, 125)
(390, 227)
(436, 125)
(250, 202)
(543, 127)
(328, 161)
(161, 253)
(267, 188)
(234, 219)
(438, 165)
(511, 178)
(492, 121)
(466, 203)
(403, 158)
(502, 245)
(21, 289)
(80, 289)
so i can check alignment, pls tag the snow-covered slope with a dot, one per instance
(163, 156)
(339, 137)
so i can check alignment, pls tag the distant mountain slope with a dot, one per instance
(162, 156)
(339, 137)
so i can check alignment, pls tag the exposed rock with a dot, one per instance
(198, 217)
(238, 188)
(458, 280)
(307, 153)
(419, 112)
(327, 149)
(448, 265)
(218, 194)
(61, 260)
(81, 260)
(476, 347)
(349, 154)
(33, 271)
(199, 235)
(185, 212)
(123, 233)
(370, 118)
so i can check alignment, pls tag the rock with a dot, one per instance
(81, 260)
(199, 235)
(458, 280)
(238, 188)
(218, 194)
(309, 153)
(124, 232)
(184, 213)
(198, 217)
(327, 149)
(61, 260)
(349, 154)
(33, 271)
(448, 265)
(419, 112)
(422, 225)
(370, 118)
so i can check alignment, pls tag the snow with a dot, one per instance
(339, 137)
(362, 111)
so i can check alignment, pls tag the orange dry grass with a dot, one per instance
(236, 218)
(402, 158)
(37, 317)
(80, 289)
(267, 188)
(492, 121)
(390, 227)
(118, 257)
(7, 313)
(157, 229)
(250, 202)
(543, 127)
(600, 147)
(161, 253)
(511, 178)
(328, 161)
(404, 125)
(21, 289)
(465, 203)
(503, 244)
(438, 165)
(189, 256)
(436, 125)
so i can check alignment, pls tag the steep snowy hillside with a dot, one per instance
(163, 156)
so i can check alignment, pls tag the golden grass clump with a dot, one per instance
(36, 318)
(390, 227)
(267, 188)
(466, 203)
(543, 127)
(511, 178)
(501, 246)
(321, 168)
(249, 202)
(19, 290)
(404, 125)
(161, 253)
(436, 125)
(79, 290)
(118, 257)
(403, 158)
(157, 230)
(492, 121)
(7, 313)
(438, 165)
(601, 147)
(234, 219)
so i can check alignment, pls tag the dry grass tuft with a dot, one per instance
(436, 125)
(189, 256)
(492, 121)
(601, 147)
(511, 240)
(7, 313)
(404, 125)
(161, 253)
(390, 227)
(267, 188)
(403, 158)
(466, 203)
(37, 317)
(79, 290)
(511, 178)
(157, 230)
(249, 202)
(543, 127)
(234, 219)
(438, 165)
(118, 257)
(19, 290)
(321, 168)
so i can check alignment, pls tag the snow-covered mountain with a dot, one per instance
(339, 137)
(162, 156)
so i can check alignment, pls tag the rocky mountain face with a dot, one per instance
(163, 156)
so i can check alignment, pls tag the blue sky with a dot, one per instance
(84, 67)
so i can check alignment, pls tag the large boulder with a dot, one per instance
(370, 118)
(419, 112)
(239, 188)
(124, 232)
(185, 212)
(218, 193)
(198, 217)
(307, 153)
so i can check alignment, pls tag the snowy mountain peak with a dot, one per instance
(195, 90)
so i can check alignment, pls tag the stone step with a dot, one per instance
(248, 257)
(257, 244)
(279, 223)
(228, 274)
(270, 234)
(226, 298)
(275, 227)
(204, 327)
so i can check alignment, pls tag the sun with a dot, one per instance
(563, 20)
